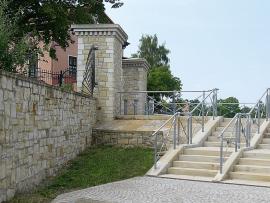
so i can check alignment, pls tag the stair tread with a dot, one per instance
(254, 159)
(205, 148)
(250, 173)
(258, 151)
(187, 177)
(192, 155)
(197, 162)
(193, 169)
(254, 166)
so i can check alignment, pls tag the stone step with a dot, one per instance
(257, 162)
(217, 144)
(267, 134)
(225, 134)
(257, 154)
(252, 168)
(192, 172)
(205, 151)
(266, 141)
(199, 158)
(264, 146)
(186, 177)
(232, 129)
(217, 139)
(250, 176)
(196, 165)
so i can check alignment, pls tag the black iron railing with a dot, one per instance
(56, 78)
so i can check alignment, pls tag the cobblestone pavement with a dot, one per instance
(155, 190)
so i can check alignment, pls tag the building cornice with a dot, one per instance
(100, 30)
(135, 63)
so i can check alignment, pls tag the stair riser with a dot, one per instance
(216, 139)
(204, 152)
(207, 166)
(266, 141)
(263, 146)
(200, 159)
(232, 129)
(191, 172)
(250, 177)
(217, 144)
(257, 156)
(251, 169)
(252, 162)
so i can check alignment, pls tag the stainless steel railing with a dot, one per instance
(242, 125)
(239, 125)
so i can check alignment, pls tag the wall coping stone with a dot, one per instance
(136, 63)
(100, 30)
(18, 76)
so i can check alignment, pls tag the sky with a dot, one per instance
(221, 44)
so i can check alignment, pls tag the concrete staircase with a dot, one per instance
(200, 161)
(255, 164)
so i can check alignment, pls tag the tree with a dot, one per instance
(13, 51)
(160, 77)
(49, 20)
(155, 54)
(228, 107)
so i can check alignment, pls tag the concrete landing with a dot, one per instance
(149, 189)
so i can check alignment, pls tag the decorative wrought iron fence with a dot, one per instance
(89, 80)
(56, 78)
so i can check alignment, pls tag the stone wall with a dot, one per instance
(135, 80)
(124, 138)
(109, 39)
(41, 128)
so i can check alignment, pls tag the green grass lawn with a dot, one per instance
(93, 167)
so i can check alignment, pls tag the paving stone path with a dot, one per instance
(155, 190)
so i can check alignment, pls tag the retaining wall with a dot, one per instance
(41, 128)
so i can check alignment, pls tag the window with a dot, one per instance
(72, 62)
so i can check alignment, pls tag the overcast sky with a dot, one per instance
(213, 43)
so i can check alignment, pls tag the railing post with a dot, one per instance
(267, 105)
(236, 132)
(259, 116)
(174, 132)
(155, 155)
(239, 131)
(248, 130)
(178, 128)
(221, 155)
(189, 128)
(174, 104)
(203, 111)
(214, 105)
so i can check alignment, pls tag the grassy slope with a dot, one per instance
(93, 167)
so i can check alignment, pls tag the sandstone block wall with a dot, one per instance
(135, 80)
(124, 138)
(41, 128)
(110, 39)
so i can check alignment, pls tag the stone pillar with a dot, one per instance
(135, 79)
(110, 40)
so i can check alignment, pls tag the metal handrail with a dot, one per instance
(247, 128)
(202, 102)
(258, 102)
(184, 91)
(221, 136)
(155, 134)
